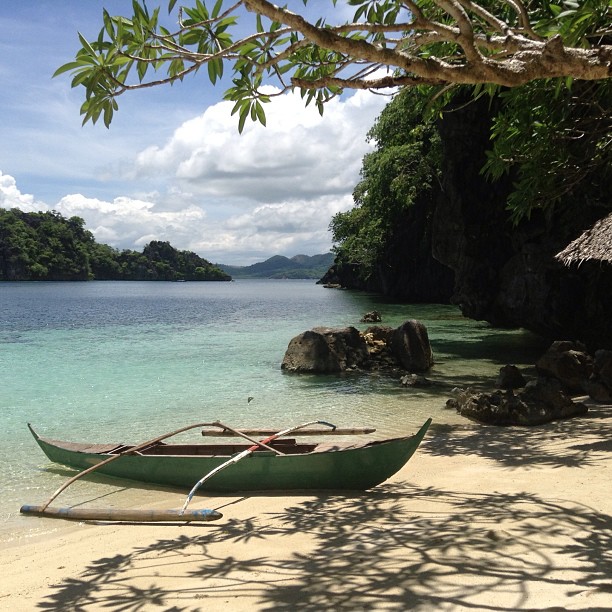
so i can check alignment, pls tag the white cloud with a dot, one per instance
(231, 198)
(129, 223)
(299, 154)
(11, 197)
(289, 228)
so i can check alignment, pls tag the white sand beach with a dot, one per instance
(481, 518)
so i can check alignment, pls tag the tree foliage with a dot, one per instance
(404, 165)
(47, 246)
(432, 42)
(41, 246)
(554, 142)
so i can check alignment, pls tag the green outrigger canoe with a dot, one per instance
(274, 464)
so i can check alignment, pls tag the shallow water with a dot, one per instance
(112, 361)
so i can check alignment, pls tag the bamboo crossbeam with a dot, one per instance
(306, 432)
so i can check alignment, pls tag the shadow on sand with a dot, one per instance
(565, 443)
(396, 547)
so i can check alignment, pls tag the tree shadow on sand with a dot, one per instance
(397, 547)
(577, 442)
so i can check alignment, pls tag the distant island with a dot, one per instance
(47, 246)
(298, 267)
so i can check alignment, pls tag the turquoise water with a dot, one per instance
(107, 361)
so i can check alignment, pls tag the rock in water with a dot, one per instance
(371, 317)
(410, 346)
(325, 350)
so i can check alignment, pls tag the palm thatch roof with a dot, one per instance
(594, 244)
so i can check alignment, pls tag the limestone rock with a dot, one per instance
(325, 350)
(415, 380)
(599, 385)
(510, 377)
(569, 363)
(541, 401)
(410, 346)
(371, 317)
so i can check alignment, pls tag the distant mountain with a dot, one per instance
(300, 266)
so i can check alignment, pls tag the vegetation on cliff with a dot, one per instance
(47, 246)
(548, 143)
(404, 167)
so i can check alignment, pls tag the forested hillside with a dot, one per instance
(47, 246)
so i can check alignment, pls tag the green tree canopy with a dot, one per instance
(47, 246)
(555, 143)
(432, 42)
(403, 166)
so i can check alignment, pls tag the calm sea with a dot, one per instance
(124, 362)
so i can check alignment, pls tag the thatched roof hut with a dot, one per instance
(594, 244)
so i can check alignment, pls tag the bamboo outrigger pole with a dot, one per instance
(129, 451)
(121, 514)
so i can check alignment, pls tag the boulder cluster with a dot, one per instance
(565, 370)
(325, 350)
(539, 401)
(577, 370)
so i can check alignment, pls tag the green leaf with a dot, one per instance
(141, 68)
(261, 115)
(108, 115)
(86, 46)
(217, 8)
(244, 113)
(67, 67)
(215, 70)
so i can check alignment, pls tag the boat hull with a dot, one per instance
(357, 468)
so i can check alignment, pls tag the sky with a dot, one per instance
(172, 166)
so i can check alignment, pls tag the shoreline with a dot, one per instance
(481, 517)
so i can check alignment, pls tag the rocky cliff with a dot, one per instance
(475, 257)
(407, 271)
(507, 274)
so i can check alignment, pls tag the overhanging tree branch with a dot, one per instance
(441, 42)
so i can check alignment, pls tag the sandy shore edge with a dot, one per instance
(481, 518)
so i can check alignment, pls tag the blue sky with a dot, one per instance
(172, 166)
